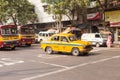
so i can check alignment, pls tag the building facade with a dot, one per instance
(43, 16)
(95, 17)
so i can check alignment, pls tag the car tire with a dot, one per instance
(97, 45)
(41, 41)
(49, 50)
(75, 52)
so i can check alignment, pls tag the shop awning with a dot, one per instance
(94, 16)
(115, 24)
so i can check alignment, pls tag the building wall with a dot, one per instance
(43, 17)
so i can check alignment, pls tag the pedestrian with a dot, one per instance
(112, 35)
(109, 40)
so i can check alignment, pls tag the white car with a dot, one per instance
(96, 39)
(44, 35)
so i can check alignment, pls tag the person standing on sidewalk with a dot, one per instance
(109, 41)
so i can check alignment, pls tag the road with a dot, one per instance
(31, 63)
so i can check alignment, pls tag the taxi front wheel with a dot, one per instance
(49, 50)
(75, 52)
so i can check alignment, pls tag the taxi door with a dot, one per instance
(55, 43)
(64, 45)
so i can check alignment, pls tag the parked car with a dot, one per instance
(96, 39)
(66, 43)
(44, 35)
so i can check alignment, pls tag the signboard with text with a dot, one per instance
(113, 17)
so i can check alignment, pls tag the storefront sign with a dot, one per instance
(94, 16)
(113, 17)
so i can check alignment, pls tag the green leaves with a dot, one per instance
(20, 11)
(70, 8)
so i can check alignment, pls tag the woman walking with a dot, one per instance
(109, 41)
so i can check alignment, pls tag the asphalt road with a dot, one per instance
(31, 63)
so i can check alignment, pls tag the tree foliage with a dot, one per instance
(20, 11)
(71, 8)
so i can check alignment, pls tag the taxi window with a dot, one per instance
(64, 39)
(72, 38)
(47, 35)
(50, 34)
(55, 38)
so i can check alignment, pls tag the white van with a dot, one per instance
(44, 35)
(96, 39)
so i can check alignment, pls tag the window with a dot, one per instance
(97, 36)
(56, 38)
(27, 30)
(64, 39)
(45, 7)
(72, 38)
(13, 31)
(9, 31)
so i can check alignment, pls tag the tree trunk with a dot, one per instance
(14, 20)
(1, 22)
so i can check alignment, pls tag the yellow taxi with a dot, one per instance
(67, 43)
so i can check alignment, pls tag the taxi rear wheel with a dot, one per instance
(49, 50)
(75, 52)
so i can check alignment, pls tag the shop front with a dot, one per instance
(94, 20)
(114, 18)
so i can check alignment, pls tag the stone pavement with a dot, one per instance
(116, 44)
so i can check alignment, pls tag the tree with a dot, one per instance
(71, 8)
(76, 8)
(2, 11)
(20, 11)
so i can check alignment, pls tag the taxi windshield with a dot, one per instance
(8, 31)
(72, 38)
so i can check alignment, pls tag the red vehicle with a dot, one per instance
(8, 36)
(26, 35)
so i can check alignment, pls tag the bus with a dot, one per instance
(26, 35)
(8, 36)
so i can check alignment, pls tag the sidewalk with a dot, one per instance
(116, 44)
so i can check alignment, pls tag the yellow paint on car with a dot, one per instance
(61, 46)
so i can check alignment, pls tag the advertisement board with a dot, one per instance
(113, 17)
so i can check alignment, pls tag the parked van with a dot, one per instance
(96, 39)
(44, 35)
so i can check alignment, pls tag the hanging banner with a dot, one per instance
(94, 16)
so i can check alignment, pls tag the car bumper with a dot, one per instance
(87, 49)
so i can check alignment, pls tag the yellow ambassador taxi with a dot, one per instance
(66, 43)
